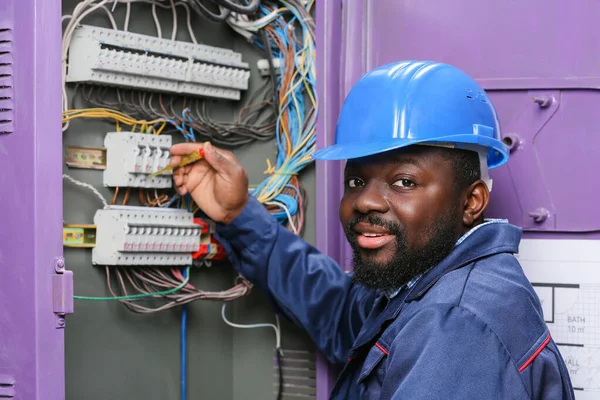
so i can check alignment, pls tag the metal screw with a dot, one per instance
(59, 264)
(60, 322)
(512, 140)
(543, 101)
(540, 215)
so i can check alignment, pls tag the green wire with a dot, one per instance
(140, 296)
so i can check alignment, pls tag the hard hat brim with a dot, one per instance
(498, 152)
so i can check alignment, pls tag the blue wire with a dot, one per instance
(184, 348)
(184, 332)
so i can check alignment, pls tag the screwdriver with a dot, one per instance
(185, 160)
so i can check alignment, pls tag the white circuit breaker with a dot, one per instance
(132, 157)
(127, 235)
(117, 58)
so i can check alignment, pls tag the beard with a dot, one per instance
(407, 263)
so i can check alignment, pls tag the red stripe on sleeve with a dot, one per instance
(380, 347)
(534, 355)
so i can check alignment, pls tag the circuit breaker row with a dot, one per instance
(127, 235)
(132, 157)
(115, 58)
(188, 70)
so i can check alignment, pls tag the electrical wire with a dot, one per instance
(210, 15)
(274, 31)
(174, 11)
(184, 348)
(249, 9)
(278, 349)
(127, 17)
(156, 22)
(87, 186)
(138, 296)
(276, 328)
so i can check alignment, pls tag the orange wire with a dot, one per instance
(114, 199)
(126, 198)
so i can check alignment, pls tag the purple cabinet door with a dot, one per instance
(34, 286)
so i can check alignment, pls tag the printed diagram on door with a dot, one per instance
(565, 275)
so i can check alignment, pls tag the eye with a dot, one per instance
(404, 183)
(354, 182)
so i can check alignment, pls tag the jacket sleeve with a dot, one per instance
(547, 376)
(446, 352)
(302, 283)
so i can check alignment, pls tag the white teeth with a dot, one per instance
(372, 234)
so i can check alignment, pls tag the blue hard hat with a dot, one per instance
(412, 102)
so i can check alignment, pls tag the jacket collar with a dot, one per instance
(486, 241)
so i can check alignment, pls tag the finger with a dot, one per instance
(224, 164)
(178, 178)
(227, 154)
(182, 190)
(175, 160)
(183, 149)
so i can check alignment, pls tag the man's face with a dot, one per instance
(401, 214)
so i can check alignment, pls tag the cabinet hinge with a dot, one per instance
(62, 292)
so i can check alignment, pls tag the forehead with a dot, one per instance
(428, 159)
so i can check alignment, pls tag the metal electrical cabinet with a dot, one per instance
(103, 351)
(538, 60)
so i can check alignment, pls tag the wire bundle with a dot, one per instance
(156, 280)
(256, 120)
(286, 29)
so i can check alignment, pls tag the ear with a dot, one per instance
(478, 197)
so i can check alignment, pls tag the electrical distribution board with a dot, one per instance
(127, 235)
(117, 58)
(131, 157)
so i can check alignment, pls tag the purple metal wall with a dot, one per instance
(31, 334)
(519, 51)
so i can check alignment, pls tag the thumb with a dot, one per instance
(217, 159)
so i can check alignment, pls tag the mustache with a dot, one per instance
(375, 220)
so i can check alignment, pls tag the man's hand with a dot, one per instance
(218, 183)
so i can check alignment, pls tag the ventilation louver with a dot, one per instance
(6, 81)
(7, 387)
(299, 375)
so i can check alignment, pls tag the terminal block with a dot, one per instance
(210, 248)
(127, 235)
(123, 59)
(131, 157)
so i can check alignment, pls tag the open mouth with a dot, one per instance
(372, 236)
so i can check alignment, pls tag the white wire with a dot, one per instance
(127, 16)
(87, 186)
(67, 39)
(287, 211)
(174, 32)
(157, 198)
(242, 21)
(189, 21)
(252, 326)
(156, 21)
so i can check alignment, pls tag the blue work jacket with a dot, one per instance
(470, 328)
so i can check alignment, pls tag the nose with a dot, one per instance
(371, 199)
